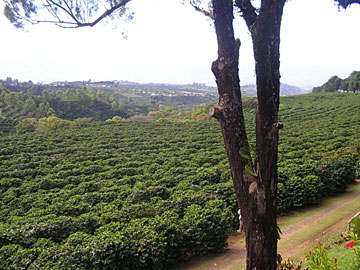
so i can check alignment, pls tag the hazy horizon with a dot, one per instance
(178, 47)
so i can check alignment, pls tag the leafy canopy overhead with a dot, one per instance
(65, 13)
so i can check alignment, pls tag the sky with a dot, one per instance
(168, 42)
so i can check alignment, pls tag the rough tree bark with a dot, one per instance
(266, 42)
(255, 184)
(229, 113)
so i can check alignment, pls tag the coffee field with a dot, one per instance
(145, 195)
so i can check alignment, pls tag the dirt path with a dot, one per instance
(300, 231)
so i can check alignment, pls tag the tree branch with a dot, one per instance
(346, 3)
(203, 11)
(105, 14)
(217, 113)
(65, 10)
(73, 19)
(248, 12)
(195, 5)
(51, 10)
(70, 10)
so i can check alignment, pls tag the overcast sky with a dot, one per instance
(170, 43)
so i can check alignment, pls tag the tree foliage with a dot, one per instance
(65, 13)
(346, 3)
(69, 105)
(349, 84)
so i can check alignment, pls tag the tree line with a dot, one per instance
(334, 84)
(70, 104)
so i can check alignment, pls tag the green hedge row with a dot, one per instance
(305, 185)
(144, 243)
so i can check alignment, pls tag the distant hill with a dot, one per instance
(131, 93)
(335, 84)
(146, 93)
(249, 90)
(103, 100)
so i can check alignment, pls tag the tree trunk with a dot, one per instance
(255, 184)
(229, 112)
(266, 42)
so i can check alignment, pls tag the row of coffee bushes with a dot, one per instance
(113, 196)
(143, 243)
(84, 199)
(304, 185)
(134, 195)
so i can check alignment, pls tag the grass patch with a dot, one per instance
(312, 232)
(346, 257)
(298, 216)
(307, 233)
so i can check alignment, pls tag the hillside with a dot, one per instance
(125, 91)
(142, 93)
(249, 90)
(99, 101)
(143, 195)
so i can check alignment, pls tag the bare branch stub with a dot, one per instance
(217, 113)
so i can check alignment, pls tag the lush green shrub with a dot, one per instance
(306, 184)
(206, 228)
(336, 174)
(355, 226)
(51, 123)
(146, 243)
(319, 259)
(357, 169)
(284, 204)
(26, 125)
(303, 191)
